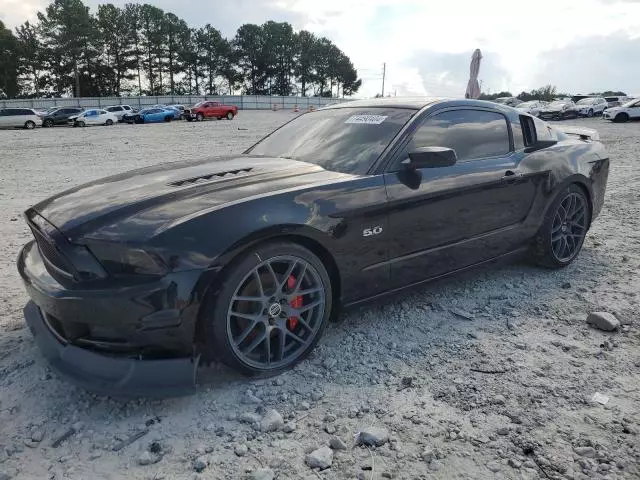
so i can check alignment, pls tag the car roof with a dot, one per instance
(415, 103)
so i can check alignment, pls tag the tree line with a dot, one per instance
(546, 93)
(140, 49)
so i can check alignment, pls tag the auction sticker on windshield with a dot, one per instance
(367, 119)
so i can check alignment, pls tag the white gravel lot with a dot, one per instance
(505, 395)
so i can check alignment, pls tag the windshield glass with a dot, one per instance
(630, 103)
(347, 140)
(526, 104)
(501, 100)
(557, 104)
(586, 101)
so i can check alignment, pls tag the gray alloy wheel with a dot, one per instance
(590, 113)
(199, 117)
(565, 227)
(29, 125)
(109, 122)
(48, 123)
(80, 123)
(271, 310)
(230, 115)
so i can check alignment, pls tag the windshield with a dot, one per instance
(558, 104)
(586, 101)
(630, 103)
(501, 100)
(526, 104)
(347, 140)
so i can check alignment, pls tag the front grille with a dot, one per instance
(50, 253)
(206, 178)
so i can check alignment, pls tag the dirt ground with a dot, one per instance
(486, 375)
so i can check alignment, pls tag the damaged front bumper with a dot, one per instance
(111, 375)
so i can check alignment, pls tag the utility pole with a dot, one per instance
(384, 73)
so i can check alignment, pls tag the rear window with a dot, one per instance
(347, 140)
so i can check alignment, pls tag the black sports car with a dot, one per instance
(559, 110)
(135, 277)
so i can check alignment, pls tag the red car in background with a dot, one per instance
(208, 109)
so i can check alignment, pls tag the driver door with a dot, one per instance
(446, 218)
(634, 110)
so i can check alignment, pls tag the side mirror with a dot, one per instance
(431, 157)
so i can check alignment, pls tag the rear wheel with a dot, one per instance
(621, 118)
(29, 125)
(270, 311)
(230, 115)
(109, 122)
(564, 229)
(199, 117)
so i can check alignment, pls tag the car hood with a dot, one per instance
(147, 199)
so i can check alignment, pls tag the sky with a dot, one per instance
(579, 46)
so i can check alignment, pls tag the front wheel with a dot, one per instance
(564, 229)
(621, 118)
(80, 123)
(29, 125)
(590, 113)
(270, 310)
(230, 115)
(109, 122)
(47, 123)
(168, 118)
(199, 117)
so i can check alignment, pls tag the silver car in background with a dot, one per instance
(532, 107)
(19, 118)
(119, 110)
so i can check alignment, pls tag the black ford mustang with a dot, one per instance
(134, 277)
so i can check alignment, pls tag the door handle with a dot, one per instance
(511, 176)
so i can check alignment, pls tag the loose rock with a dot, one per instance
(493, 466)
(321, 458)
(588, 452)
(250, 418)
(199, 464)
(241, 450)
(289, 427)
(262, 474)
(374, 437)
(337, 443)
(148, 458)
(604, 321)
(272, 421)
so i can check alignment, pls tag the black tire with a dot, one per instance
(221, 327)
(80, 123)
(590, 113)
(168, 118)
(230, 115)
(47, 123)
(138, 119)
(199, 117)
(29, 125)
(621, 118)
(109, 122)
(545, 249)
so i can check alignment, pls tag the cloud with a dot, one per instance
(592, 64)
(447, 74)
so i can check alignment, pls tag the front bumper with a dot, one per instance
(114, 376)
(119, 339)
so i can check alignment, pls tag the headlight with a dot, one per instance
(118, 259)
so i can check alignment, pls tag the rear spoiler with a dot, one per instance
(583, 133)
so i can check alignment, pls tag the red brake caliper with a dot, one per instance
(292, 322)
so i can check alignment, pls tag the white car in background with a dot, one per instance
(510, 101)
(93, 117)
(19, 118)
(119, 110)
(623, 113)
(532, 107)
(588, 107)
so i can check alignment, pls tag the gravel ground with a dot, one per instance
(486, 375)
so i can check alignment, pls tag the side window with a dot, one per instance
(544, 131)
(518, 135)
(101, 112)
(471, 133)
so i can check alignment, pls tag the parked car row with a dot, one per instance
(79, 117)
(565, 108)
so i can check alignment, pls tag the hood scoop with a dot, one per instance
(207, 178)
